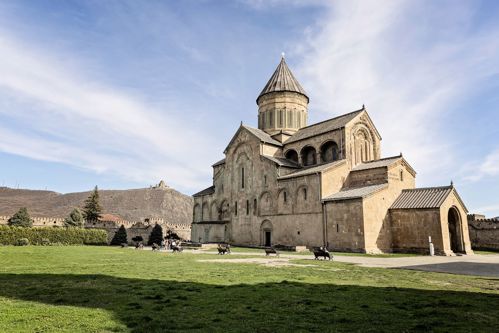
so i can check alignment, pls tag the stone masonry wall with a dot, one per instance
(484, 234)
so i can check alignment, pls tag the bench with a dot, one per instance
(176, 248)
(321, 253)
(223, 250)
(271, 250)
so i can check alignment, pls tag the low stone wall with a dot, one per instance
(484, 234)
(133, 228)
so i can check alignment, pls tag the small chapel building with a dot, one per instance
(326, 184)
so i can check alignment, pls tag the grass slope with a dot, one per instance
(104, 289)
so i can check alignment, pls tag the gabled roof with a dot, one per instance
(259, 134)
(311, 170)
(264, 137)
(282, 162)
(282, 80)
(222, 161)
(206, 191)
(355, 193)
(323, 127)
(420, 198)
(383, 162)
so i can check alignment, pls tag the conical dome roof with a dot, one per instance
(282, 80)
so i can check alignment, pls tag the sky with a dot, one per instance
(122, 94)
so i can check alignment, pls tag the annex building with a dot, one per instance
(294, 184)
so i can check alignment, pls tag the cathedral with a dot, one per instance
(293, 184)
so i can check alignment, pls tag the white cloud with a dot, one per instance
(71, 119)
(488, 209)
(411, 63)
(487, 167)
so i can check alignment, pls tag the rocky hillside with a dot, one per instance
(132, 205)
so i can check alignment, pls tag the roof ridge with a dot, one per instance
(447, 187)
(383, 159)
(330, 119)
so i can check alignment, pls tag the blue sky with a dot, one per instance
(124, 93)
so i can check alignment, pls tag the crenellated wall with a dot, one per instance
(484, 233)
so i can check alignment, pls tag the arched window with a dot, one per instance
(242, 177)
(363, 146)
(329, 151)
(292, 155)
(308, 156)
(304, 194)
(254, 207)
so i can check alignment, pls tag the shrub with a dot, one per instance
(45, 241)
(22, 242)
(156, 235)
(21, 219)
(65, 236)
(120, 236)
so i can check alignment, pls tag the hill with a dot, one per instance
(132, 205)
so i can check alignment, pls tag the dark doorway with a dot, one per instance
(268, 238)
(454, 222)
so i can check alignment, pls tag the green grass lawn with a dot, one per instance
(105, 289)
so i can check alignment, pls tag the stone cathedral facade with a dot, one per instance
(294, 184)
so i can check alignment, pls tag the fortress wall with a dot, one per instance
(484, 234)
(183, 230)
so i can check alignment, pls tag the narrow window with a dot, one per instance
(265, 179)
(401, 175)
(337, 228)
(285, 197)
(235, 208)
(242, 177)
(304, 194)
(247, 207)
(271, 123)
(254, 207)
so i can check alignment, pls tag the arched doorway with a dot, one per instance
(455, 235)
(266, 233)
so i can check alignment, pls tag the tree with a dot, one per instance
(21, 219)
(92, 209)
(120, 237)
(156, 235)
(75, 219)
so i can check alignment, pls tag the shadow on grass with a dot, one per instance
(160, 306)
(460, 267)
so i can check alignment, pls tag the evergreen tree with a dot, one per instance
(92, 209)
(120, 237)
(75, 219)
(21, 219)
(156, 235)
